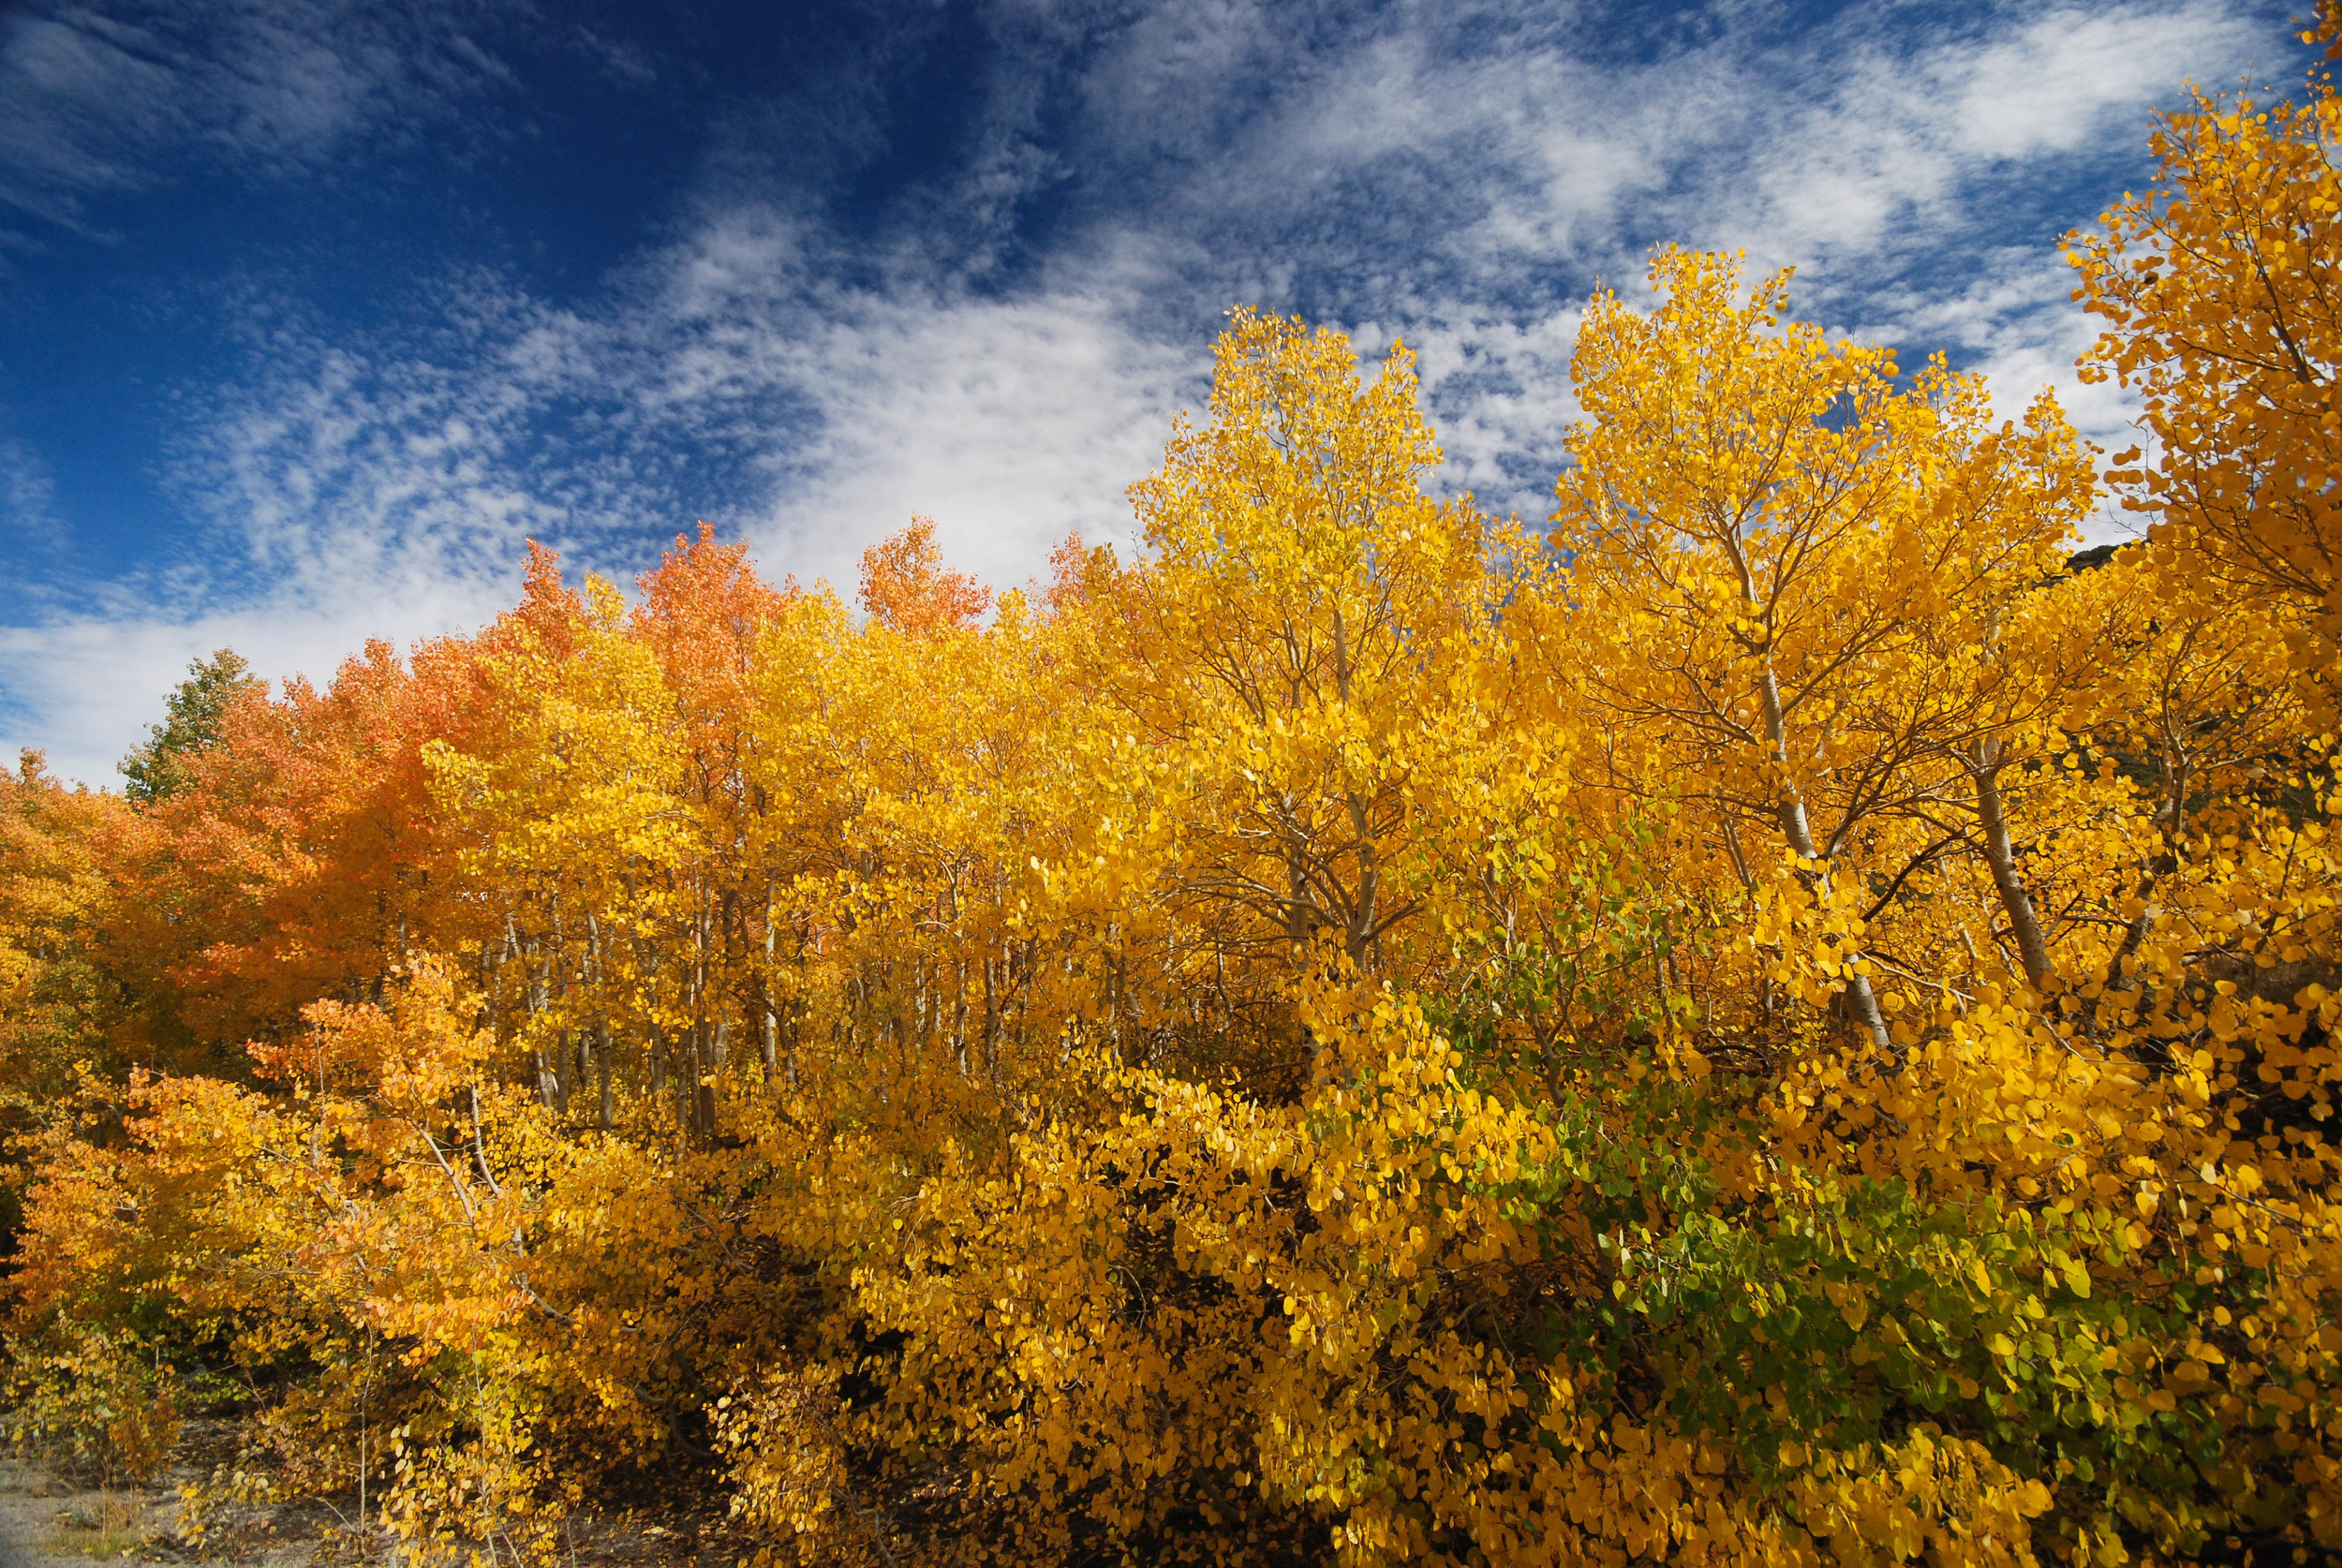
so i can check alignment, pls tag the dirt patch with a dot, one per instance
(51, 1518)
(48, 1522)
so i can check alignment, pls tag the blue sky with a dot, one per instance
(312, 310)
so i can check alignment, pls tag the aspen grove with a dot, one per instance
(1780, 1015)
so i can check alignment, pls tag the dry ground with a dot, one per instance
(52, 1519)
(49, 1522)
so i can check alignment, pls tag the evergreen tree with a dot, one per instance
(157, 770)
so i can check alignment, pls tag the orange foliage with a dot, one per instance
(905, 585)
(304, 861)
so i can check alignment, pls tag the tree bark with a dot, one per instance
(704, 1089)
(601, 1072)
(2001, 857)
(1860, 999)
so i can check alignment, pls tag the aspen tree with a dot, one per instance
(1288, 647)
(2220, 285)
(1764, 531)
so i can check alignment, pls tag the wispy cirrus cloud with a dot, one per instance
(28, 493)
(112, 98)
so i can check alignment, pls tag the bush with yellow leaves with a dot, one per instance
(86, 1399)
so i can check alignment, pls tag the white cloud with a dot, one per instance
(2073, 76)
(1012, 424)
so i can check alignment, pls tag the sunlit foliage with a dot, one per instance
(1779, 1018)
